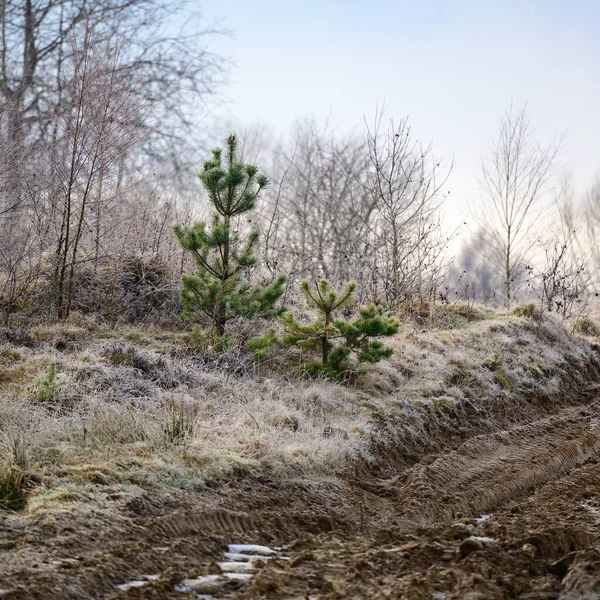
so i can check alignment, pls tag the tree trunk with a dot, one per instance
(220, 314)
(325, 346)
(220, 320)
(508, 272)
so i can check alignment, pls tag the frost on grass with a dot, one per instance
(135, 407)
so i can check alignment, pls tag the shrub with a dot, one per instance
(586, 326)
(147, 289)
(12, 476)
(12, 487)
(179, 421)
(529, 310)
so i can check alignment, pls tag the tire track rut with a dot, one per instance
(413, 536)
(489, 470)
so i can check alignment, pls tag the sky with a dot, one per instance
(452, 66)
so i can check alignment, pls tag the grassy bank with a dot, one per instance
(85, 407)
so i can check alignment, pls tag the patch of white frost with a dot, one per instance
(236, 567)
(484, 541)
(137, 583)
(238, 557)
(238, 576)
(251, 549)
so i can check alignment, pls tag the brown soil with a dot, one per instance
(541, 484)
(514, 514)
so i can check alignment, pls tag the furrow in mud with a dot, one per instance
(543, 546)
(185, 524)
(487, 471)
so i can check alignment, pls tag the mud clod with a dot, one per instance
(473, 544)
(561, 567)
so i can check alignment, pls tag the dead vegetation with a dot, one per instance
(134, 403)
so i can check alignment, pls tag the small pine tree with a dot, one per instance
(50, 385)
(334, 337)
(219, 288)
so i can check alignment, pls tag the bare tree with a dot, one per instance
(474, 268)
(274, 235)
(317, 205)
(591, 221)
(343, 208)
(100, 127)
(514, 179)
(406, 189)
(19, 266)
(172, 62)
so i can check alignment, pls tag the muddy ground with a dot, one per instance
(514, 514)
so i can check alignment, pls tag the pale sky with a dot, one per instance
(452, 66)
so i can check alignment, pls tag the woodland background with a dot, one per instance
(105, 121)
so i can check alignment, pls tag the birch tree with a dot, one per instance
(406, 185)
(514, 179)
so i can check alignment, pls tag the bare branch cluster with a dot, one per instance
(91, 95)
(514, 179)
(365, 208)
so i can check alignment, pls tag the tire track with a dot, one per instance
(488, 471)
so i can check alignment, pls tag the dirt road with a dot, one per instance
(515, 514)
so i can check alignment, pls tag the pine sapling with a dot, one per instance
(219, 289)
(50, 385)
(261, 346)
(335, 338)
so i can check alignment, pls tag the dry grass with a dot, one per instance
(587, 326)
(139, 407)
